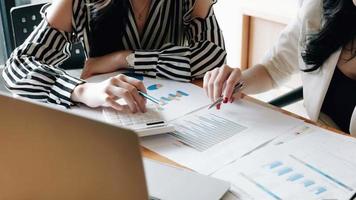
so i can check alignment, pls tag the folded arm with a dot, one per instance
(205, 49)
(32, 72)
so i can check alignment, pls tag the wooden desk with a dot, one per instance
(152, 155)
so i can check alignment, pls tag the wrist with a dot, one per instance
(130, 60)
(122, 58)
(77, 94)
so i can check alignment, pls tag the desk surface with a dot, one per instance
(152, 155)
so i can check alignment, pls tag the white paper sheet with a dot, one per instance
(254, 126)
(316, 164)
(178, 98)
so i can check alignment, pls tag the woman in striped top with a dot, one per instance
(175, 39)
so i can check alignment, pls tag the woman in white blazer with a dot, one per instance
(321, 44)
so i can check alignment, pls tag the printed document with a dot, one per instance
(207, 140)
(316, 164)
(176, 98)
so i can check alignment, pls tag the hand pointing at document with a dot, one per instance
(223, 83)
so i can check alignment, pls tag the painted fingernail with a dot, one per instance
(218, 106)
(225, 100)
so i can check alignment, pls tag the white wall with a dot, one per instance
(230, 21)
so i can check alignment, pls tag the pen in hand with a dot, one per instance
(240, 85)
(149, 97)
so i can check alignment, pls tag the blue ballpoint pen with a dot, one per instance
(149, 97)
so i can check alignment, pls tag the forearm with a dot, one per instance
(257, 80)
(118, 59)
(172, 62)
(105, 64)
(109, 62)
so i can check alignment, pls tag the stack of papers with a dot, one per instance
(315, 164)
(207, 140)
(263, 153)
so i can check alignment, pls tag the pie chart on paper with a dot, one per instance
(154, 87)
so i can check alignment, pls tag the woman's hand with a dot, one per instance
(221, 82)
(107, 93)
(105, 64)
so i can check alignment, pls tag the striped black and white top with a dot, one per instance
(173, 45)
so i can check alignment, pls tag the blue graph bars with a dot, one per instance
(308, 183)
(203, 132)
(173, 96)
(320, 172)
(320, 190)
(180, 93)
(295, 177)
(275, 164)
(282, 170)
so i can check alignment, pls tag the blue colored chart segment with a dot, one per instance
(180, 93)
(173, 97)
(154, 87)
(290, 175)
(308, 183)
(283, 171)
(295, 177)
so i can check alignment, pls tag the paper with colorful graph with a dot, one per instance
(177, 98)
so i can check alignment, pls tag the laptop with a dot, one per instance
(51, 154)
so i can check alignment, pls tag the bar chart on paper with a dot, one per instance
(176, 98)
(203, 131)
(286, 175)
(173, 96)
(292, 173)
(208, 139)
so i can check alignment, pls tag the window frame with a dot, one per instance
(5, 7)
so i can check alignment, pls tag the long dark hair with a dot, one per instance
(338, 30)
(108, 20)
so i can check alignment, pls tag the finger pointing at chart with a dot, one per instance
(222, 83)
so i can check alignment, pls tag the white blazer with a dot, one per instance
(284, 59)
